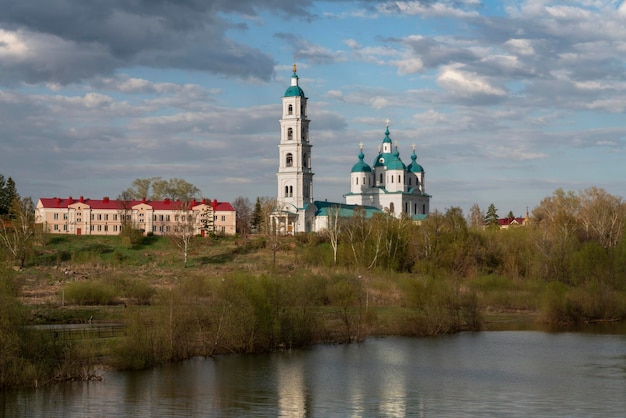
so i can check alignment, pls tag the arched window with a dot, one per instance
(392, 178)
(406, 207)
(289, 160)
(289, 134)
(381, 178)
(290, 110)
(357, 181)
(286, 191)
(290, 191)
(391, 208)
(415, 209)
(409, 181)
(399, 179)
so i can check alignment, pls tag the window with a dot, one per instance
(65, 216)
(115, 217)
(106, 217)
(381, 178)
(409, 181)
(153, 228)
(161, 218)
(92, 227)
(114, 228)
(99, 227)
(357, 181)
(391, 208)
(290, 191)
(56, 216)
(223, 229)
(424, 209)
(290, 110)
(215, 217)
(92, 216)
(56, 227)
(154, 217)
(406, 207)
(106, 228)
(392, 179)
(65, 228)
(223, 218)
(289, 134)
(289, 160)
(415, 209)
(78, 219)
(99, 217)
(305, 160)
(399, 179)
(167, 218)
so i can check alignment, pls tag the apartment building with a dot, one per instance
(106, 216)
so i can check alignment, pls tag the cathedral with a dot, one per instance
(388, 185)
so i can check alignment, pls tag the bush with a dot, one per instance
(90, 293)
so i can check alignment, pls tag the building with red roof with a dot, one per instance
(106, 216)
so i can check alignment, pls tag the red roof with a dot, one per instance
(113, 204)
(509, 221)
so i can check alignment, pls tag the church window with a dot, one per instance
(286, 191)
(289, 134)
(289, 160)
(406, 207)
(399, 179)
(415, 209)
(357, 181)
(392, 178)
(363, 180)
(391, 208)
(290, 110)
(381, 178)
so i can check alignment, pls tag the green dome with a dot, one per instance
(414, 167)
(396, 164)
(294, 91)
(361, 166)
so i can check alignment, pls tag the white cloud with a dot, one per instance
(464, 83)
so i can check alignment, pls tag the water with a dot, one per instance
(504, 373)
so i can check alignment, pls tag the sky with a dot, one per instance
(505, 101)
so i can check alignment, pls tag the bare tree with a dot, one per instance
(17, 228)
(334, 229)
(243, 210)
(184, 229)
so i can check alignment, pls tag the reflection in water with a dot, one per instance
(291, 387)
(521, 373)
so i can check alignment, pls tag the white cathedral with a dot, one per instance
(387, 186)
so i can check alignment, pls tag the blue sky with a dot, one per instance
(505, 101)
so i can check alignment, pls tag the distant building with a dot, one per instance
(108, 216)
(389, 187)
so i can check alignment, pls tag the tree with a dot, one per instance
(476, 217)
(8, 192)
(243, 209)
(257, 216)
(131, 235)
(17, 229)
(155, 188)
(491, 218)
(334, 229)
(184, 229)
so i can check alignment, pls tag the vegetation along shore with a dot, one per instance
(381, 276)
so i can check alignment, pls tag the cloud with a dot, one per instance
(466, 84)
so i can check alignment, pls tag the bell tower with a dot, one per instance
(294, 176)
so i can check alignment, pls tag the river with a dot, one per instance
(492, 373)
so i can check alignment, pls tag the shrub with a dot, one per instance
(90, 293)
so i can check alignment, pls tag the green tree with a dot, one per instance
(257, 215)
(8, 193)
(155, 188)
(491, 218)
